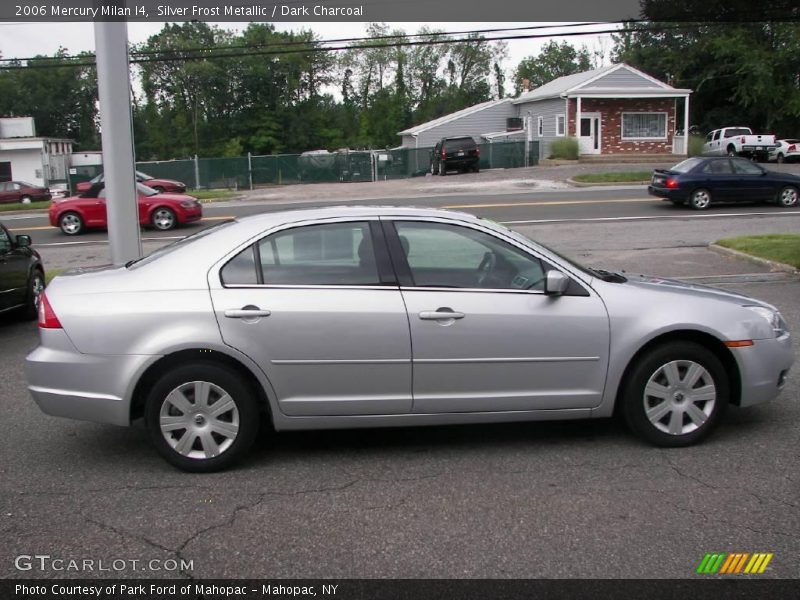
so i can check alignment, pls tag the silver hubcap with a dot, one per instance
(163, 219)
(36, 290)
(199, 420)
(789, 197)
(70, 224)
(679, 397)
(701, 199)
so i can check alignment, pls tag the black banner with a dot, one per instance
(732, 588)
(396, 10)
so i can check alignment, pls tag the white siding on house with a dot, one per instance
(26, 165)
(548, 110)
(492, 118)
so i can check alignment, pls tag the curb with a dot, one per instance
(574, 183)
(772, 264)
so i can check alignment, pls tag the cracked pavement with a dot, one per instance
(549, 499)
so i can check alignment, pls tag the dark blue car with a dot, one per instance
(701, 180)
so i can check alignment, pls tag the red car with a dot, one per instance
(160, 185)
(19, 191)
(76, 214)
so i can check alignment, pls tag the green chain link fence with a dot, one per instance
(244, 172)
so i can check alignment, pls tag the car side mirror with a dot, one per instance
(23, 241)
(555, 283)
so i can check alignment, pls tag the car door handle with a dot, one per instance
(442, 314)
(247, 312)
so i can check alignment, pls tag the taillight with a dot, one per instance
(743, 140)
(791, 148)
(672, 183)
(478, 151)
(444, 155)
(47, 318)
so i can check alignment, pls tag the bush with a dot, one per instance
(696, 145)
(565, 148)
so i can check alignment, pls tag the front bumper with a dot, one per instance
(87, 387)
(763, 368)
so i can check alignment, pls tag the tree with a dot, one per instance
(553, 61)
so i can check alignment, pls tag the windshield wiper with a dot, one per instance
(609, 276)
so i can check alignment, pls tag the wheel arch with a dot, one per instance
(708, 341)
(155, 370)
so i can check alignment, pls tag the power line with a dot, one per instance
(136, 53)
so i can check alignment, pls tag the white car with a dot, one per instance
(787, 151)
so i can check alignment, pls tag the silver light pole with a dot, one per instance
(113, 83)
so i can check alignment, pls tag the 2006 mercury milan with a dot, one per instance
(360, 317)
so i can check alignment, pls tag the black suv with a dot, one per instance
(460, 153)
(21, 275)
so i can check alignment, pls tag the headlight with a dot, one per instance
(773, 317)
(189, 203)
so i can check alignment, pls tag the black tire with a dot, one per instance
(71, 223)
(780, 158)
(700, 199)
(35, 287)
(477, 169)
(731, 151)
(163, 218)
(787, 196)
(25, 199)
(652, 368)
(433, 169)
(245, 417)
(442, 168)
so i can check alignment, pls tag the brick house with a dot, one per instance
(612, 110)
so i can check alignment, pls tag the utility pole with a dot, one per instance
(116, 127)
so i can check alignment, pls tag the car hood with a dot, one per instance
(659, 284)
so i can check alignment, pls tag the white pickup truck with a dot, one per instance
(739, 141)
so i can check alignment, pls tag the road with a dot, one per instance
(573, 499)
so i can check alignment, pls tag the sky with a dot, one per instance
(21, 40)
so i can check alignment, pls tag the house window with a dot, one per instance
(560, 120)
(540, 126)
(644, 126)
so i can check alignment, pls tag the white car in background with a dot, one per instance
(787, 151)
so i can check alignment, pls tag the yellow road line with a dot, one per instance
(45, 227)
(550, 203)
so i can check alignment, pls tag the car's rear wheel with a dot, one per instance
(71, 223)
(700, 199)
(433, 169)
(731, 151)
(25, 199)
(442, 168)
(780, 157)
(34, 297)
(675, 394)
(202, 417)
(164, 219)
(787, 197)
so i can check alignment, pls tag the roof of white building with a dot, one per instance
(453, 116)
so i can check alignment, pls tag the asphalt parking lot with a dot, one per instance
(571, 499)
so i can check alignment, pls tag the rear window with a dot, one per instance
(687, 165)
(459, 144)
(735, 132)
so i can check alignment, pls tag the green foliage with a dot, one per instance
(696, 145)
(233, 147)
(555, 60)
(564, 148)
(780, 247)
(615, 177)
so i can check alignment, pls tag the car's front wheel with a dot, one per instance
(202, 417)
(700, 199)
(71, 223)
(164, 219)
(787, 197)
(675, 394)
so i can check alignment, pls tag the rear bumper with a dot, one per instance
(87, 387)
(764, 367)
(666, 193)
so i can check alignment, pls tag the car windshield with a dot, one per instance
(145, 190)
(164, 250)
(143, 176)
(25, 184)
(687, 165)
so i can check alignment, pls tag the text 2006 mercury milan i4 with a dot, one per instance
(362, 317)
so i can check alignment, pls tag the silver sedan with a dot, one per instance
(367, 317)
